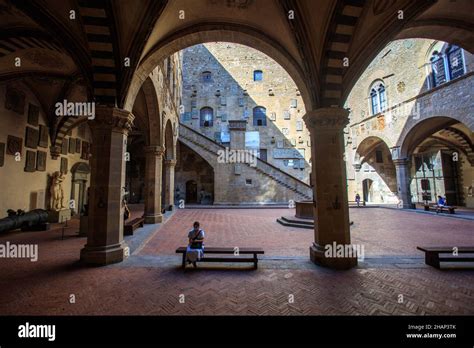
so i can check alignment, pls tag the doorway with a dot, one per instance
(191, 191)
(367, 190)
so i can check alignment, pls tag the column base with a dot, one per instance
(318, 256)
(105, 255)
(153, 219)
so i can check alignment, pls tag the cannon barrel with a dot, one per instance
(32, 218)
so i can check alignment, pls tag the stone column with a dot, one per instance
(331, 208)
(170, 164)
(105, 243)
(402, 167)
(153, 173)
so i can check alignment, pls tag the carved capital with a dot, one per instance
(401, 162)
(55, 151)
(170, 162)
(154, 150)
(326, 118)
(116, 119)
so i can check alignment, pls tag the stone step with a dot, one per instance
(294, 224)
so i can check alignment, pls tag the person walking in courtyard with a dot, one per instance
(357, 199)
(195, 249)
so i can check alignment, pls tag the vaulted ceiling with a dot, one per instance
(325, 45)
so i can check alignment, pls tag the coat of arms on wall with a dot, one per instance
(15, 100)
(32, 138)
(41, 161)
(43, 136)
(14, 145)
(30, 164)
(33, 114)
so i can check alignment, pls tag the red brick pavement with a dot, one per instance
(381, 231)
(138, 287)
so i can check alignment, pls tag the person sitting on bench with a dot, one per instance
(195, 249)
(441, 204)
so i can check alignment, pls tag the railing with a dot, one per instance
(274, 172)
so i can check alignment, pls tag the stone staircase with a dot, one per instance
(199, 141)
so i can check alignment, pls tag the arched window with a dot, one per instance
(259, 116)
(455, 62)
(382, 97)
(258, 75)
(206, 76)
(446, 63)
(374, 101)
(206, 117)
(378, 98)
(438, 68)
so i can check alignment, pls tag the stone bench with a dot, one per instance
(432, 255)
(230, 255)
(131, 226)
(440, 208)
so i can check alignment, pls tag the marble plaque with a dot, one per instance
(78, 146)
(31, 138)
(72, 145)
(33, 114)
(43, 136)
(63, 165)
(14, 145)
(286, 153)
(15, 100)
(30, 164)
(41, 161)
(64, 147)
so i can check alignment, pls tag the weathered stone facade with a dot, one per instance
(419, 118)
(230, 82)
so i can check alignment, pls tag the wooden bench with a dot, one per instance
(133, 225)
(226, 251)
(433, 258)
(441, 209)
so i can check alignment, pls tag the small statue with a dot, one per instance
(57, 192)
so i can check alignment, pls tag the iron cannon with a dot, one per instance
(36, 219)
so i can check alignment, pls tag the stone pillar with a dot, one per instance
(153, 173)
(402, 167)
(170, 164)
(331, 208)
(105, 243)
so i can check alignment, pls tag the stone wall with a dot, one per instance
(28, 190)
(413, 104)
(233, 94)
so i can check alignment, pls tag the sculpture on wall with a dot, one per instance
(57, 192)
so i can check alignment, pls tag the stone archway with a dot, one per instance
(438, 153)
(225, 32)
(373, 161)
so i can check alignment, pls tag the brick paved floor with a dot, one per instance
(381, 231)
(151, 282)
